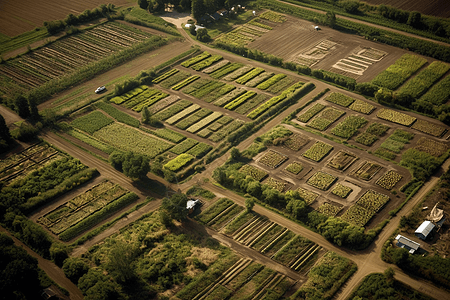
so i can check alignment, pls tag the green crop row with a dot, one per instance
(90, 141)
(185, 82)
(225, 70)
(239, 100)
(271, 81)
(169, 134)
(216, 67)
(179, 162)
(439, 93)
(206, 63)
(340, 99)
(141, 97)
(92, 122)
(251, 104)
(165, 76)
(196, 85)
(182, 114)
(219, 92)
(258, 79)
(192, 119)
(311, 112)
(172, 80)
(195, 59)
(150, 101)
(120, 116)
(213, 85)
(418, 85)
(229, 96)
(171, 110)
(397, 73)
(127, 96)
(293, 91)
(226, 130)
(250, 75)
(204, 122)
(184, 146)
(200, 150)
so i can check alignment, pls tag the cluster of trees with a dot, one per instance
(72, 20)
(19, 272)
(5, 136)
(201, 7)
(131, 164)
(159, 5)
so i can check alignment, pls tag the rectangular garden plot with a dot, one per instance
(307, 195)
(342, 160)
(275, 184)
(430, 146)
(429, 128)
(294, 168)
(340, 99)
(276, 244)
(341, 190)
(395, 117)
(321, 180)
(329, 209)
(367, 170)
(225, 217)
(273, 159)
(327, 117)
(254, 172)
(214, 210)
(296, 142)
(357, 215)
(389, 180)
(240, 222)
(311, 112)
(318, 151)
(292, 249)
(347, 128)
(373, 201)
(362, 107)
(92, 122)
(266, 236)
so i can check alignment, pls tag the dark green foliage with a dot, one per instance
(131, 164)
(202, 35)
(249, 204)
(176, 206)
(5, 135)
(121, 258)
(74, 268)
(96, 285)
(25, 133)
(341, 232)
(120, 116)
(22, 107)
(143, 4)
(17, 270)
(58, 253)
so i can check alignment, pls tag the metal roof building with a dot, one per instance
(424, 230)
(406, 243)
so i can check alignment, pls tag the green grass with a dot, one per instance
(92, 122)
(8, 44)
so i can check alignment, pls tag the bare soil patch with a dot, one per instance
(17, 17)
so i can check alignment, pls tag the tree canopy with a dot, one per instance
(176, 206)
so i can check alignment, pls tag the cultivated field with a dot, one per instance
(326, 49)
(17, 17)
(439, 8)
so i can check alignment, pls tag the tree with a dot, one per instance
(22, 107)
(34, 112)
(145, 115)
(74, 268)
(176, 206)
(389, 274)
(192, 30)
(4, 131)
(414, 19)
(58, 253)
(135, 165)
(116, 159)
(143, 4)
(249, 204)
(197, 9)
(235, 153)
(330, 19)
(121, 261)
(202, 35)
(165, 219)
(254, 188)
(297, 208)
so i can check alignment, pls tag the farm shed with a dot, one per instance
(191, 204)
(406, 243)
(424, 230)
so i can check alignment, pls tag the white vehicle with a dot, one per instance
(100, 89)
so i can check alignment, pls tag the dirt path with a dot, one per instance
(52, 270)
(371, 24)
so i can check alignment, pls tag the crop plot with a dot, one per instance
(394, 144)
(311, 112)
(277, 243)
(92, 122)
(396, 74)
(373, 201)
(396, 117)
(327, 117)
(226, 130)
(294, 168)
(362, 107)
(179, 162)
(367, 170)
(360, 60)
(340, 99)
(316, 53)
(216, 66)
(162, 104)
(275, 184)
(321, 180)
(172, 109)
(341, 190)
(342, 160)
(329, 209)
(214, 210)
(291, 250)
(389, 180)
(318, 151)
(130, 139)
(184, 146)
(431, 146)
(296, 141)
(307, 195)
(71, 53)
(174, 79)
(372, 133)
(253, 172)
(273, 159)
(429, 128)
(82, 206)
(349, 126)
(357, 215)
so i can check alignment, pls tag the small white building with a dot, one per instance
(406, 243)
(424, 230)
(191, 204)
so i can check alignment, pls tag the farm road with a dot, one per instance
(370, 24)
(52, 270)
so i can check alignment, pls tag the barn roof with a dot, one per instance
(409, 244)
(425, 228)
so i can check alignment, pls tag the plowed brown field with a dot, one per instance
(17, 17)
(439, 8)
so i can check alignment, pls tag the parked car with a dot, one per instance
(100, 89)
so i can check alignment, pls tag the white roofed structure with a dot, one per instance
(406, 243)
(424, 230)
